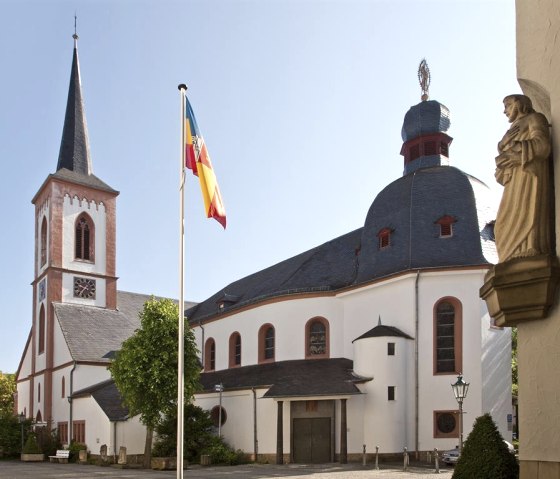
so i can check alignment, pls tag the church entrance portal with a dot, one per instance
(312, 431)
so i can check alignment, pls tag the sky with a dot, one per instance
(301, 104)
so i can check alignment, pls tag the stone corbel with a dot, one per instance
(521, 289)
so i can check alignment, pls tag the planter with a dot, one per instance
(166, 463)
(205, 460)
(82, 456)
(32, 457)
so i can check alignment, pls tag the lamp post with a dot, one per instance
(21, 419)
(219, 388)
(460, 389)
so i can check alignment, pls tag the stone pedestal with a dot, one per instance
(522, 289)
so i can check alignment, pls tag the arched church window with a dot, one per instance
(84, 238)
(266, 343)
(41, 345)
(43, 241)
(317, 338)
(39, 392)
(63, 388)
(235, 350)
(447, 337)
(210, 355)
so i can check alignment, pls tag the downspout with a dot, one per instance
(416, 368)
(255, 438)
(115, 442)
(70, 427)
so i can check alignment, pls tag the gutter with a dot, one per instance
(416, 372)
(70, 424)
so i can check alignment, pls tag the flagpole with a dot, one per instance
(181, 334)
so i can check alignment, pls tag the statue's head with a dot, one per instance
(516, 105)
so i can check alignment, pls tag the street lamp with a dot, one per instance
(219, 388)
(21, 419)
(460, 389)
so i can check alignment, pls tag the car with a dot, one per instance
(450, 457)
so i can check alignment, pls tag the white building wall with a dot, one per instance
(61, 352)
(88, 375)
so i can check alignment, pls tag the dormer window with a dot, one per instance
(446, 226)
(384, 238)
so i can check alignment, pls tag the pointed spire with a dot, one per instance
(379, 321)
(74, 148)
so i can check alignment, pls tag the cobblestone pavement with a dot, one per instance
(44, 470)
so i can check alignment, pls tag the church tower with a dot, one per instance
(75, 242)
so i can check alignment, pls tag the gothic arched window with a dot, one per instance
(44, 241)
(235, 350)
(41, 345)
(210, 355)
(84, 238)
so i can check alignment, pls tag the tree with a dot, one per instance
(7, 391)
(485, 455)
(145, 369)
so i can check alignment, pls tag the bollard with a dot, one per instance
(377, 458)
(405, 459)
(364, 455)
(428, 457)
(436, 458)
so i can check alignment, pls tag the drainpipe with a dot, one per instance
(255, 438)
(416, 385)
(70, 427)
(115, 442)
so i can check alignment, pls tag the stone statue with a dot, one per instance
(522, 226)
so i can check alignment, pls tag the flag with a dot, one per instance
(198, 160)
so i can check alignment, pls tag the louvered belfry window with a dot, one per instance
(43, 241)
(83, 239)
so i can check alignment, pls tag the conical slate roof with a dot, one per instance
(74, 152)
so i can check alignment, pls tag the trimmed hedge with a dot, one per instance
(485, 455)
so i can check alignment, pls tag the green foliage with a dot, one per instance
(10, 434)
(485, 454)
(75, 448)
(197, 434)
(7, 390)
(514, 387)
(31, 446)
(145, 369)
(199, 439)
(48, 440)
(221, 453)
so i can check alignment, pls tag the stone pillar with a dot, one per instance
(280, 434)
(343, 433)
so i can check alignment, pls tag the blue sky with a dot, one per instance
(301, 103)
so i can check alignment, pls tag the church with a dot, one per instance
(353, 343)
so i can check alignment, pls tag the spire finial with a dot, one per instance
(424, 78)
(379, 321)
(75, 36)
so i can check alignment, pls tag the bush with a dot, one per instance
(10, 434)
(199, 439)
(31, 446)
(48, 440)
(485, 455)
(221, 453)
(75, 448)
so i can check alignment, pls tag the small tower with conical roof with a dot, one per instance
(424, 130)
(75, 243)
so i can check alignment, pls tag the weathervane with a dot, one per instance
(424, 78)
(75, 36)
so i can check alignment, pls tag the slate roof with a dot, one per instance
(74, 152)
(303, 377)
(424, 118)
(325, 268)
(382, 330)
(108, 397)
(93, 333)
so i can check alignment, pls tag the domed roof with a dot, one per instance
(424, 118)
(410, 210)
